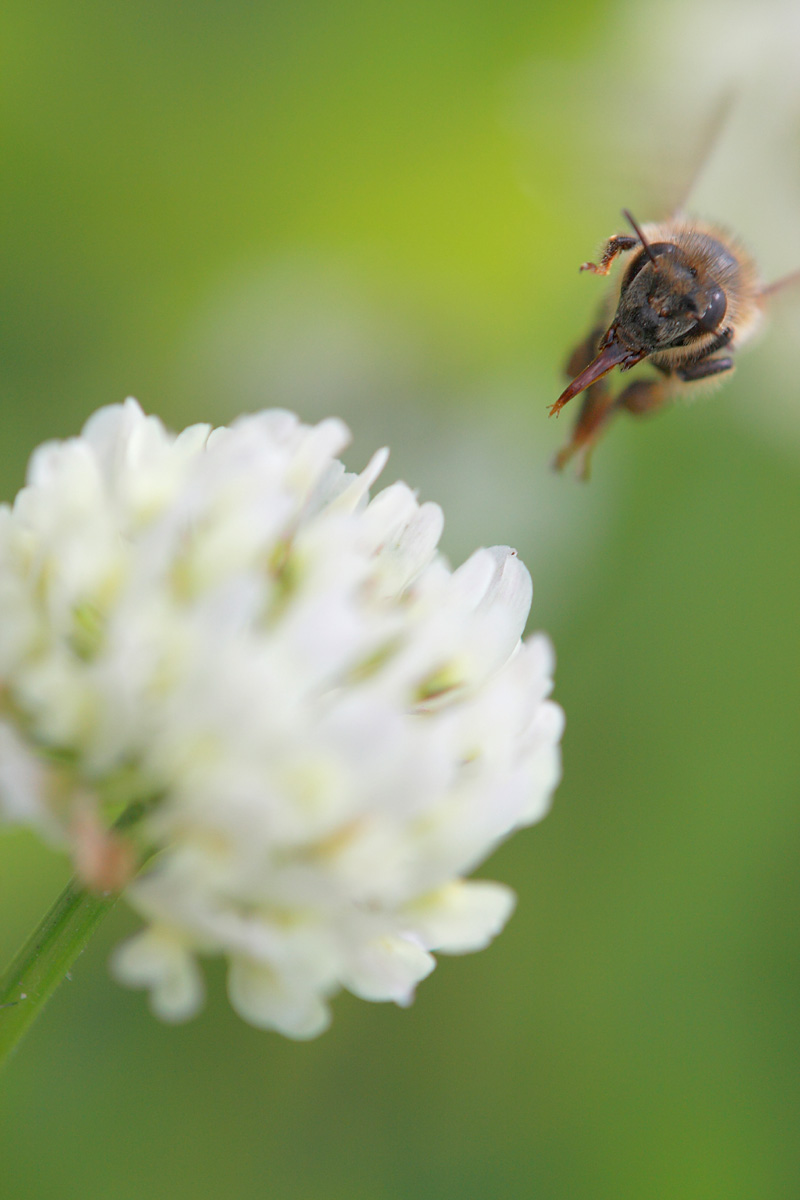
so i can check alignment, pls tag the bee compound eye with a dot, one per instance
(714, 311)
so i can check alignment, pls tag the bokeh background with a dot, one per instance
(377, 210)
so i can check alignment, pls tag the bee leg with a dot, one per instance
(597, 408)
(614, 246)
(723, 338)
(645, 396)
(705, 368)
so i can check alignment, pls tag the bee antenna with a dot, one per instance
(637, 230)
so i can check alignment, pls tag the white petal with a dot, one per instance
(495, 579)
(320, 444)
(401, 534)
(356, 489)
(159, 961)
(389, 968)
(462, 917)
(260, 995)
(511, 587)
(23, 783)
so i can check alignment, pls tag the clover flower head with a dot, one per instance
(219, 655)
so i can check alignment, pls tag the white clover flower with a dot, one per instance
(318, 726)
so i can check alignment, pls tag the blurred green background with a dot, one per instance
(377, 211)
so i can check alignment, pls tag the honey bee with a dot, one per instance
(688, 295)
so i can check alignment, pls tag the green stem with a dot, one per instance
(46, 958)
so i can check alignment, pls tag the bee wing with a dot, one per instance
(769, 289)
(711, 133)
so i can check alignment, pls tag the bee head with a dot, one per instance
(665, 301)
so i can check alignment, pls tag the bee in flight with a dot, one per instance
(688, 296)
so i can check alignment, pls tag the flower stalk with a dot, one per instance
(45, 959)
